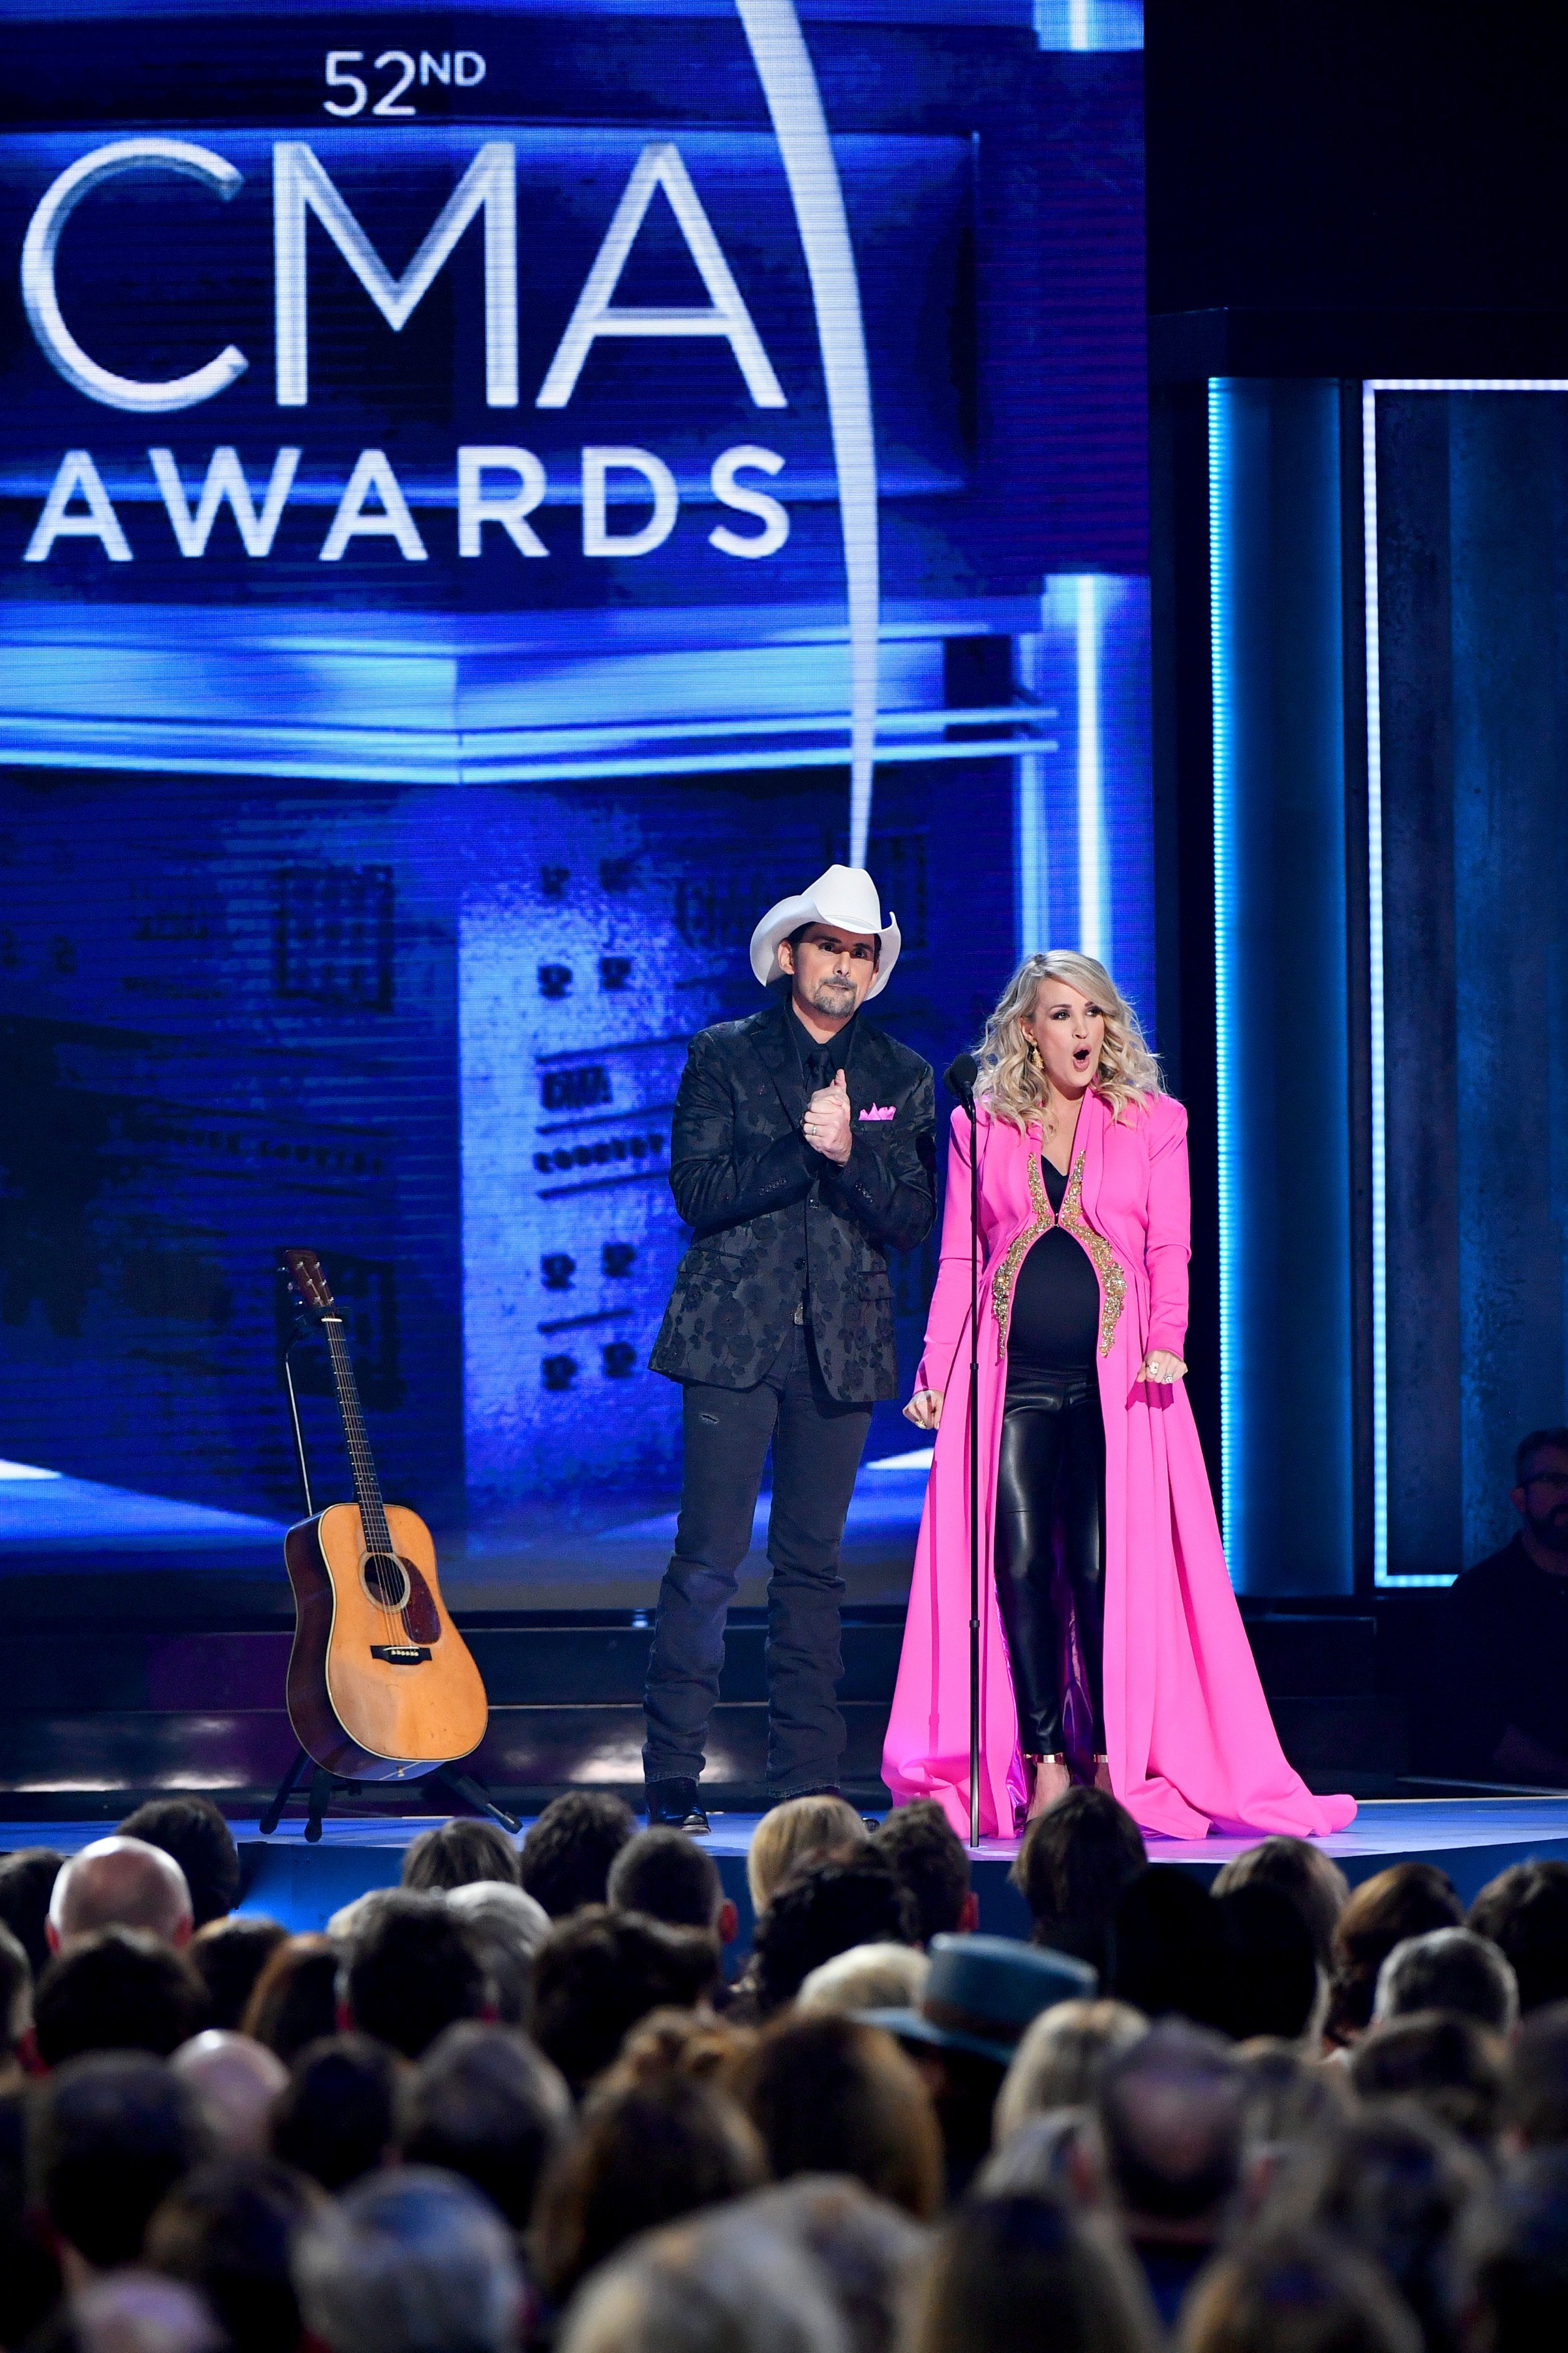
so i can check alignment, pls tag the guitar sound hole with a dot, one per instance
(385, 1580)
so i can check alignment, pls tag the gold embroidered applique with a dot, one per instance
(1112, 1278)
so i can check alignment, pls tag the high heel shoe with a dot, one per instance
(1051, 1780)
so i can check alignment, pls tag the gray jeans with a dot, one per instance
(816, 1445)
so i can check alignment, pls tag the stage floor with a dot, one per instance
(1472, 1839)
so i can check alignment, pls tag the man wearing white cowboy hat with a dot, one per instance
(802, 1153)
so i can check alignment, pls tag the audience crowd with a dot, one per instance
(520, 2105)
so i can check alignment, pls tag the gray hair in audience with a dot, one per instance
(726, 2285)
(1450, 1970)
(141, 2312)
(1060, 2056)
(867, 1976)
(505, 1927)
(409, 2262)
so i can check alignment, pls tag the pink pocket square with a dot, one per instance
(879, 1111)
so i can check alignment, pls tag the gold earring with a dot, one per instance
(1032, 1051)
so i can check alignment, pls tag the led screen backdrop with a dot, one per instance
(444, 461)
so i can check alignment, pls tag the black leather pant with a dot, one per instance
(1051, 1474)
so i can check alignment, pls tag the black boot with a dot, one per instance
(672, 1805)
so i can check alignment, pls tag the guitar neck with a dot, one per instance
(367, 1487)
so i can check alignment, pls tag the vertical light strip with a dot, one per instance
(1078, 24)
(1221, 521)
(1093, 915)
(1031, 846)
(794, 104)
(1374, 992)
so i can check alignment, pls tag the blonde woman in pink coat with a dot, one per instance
(1110, 1642)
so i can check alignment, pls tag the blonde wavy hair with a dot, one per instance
(1013, 1083)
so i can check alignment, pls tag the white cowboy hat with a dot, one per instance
(846, 897)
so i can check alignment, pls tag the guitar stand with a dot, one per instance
(325, 1786)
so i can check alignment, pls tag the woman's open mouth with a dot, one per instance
(1080, 1056)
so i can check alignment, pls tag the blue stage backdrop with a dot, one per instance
(452, 465)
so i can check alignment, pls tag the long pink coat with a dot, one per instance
(1190, 1739)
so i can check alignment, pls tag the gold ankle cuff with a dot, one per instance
(1051, 1757)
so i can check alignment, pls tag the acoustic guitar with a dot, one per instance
(381, 1683)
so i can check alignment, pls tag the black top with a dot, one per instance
(818, 1064)
(1055, 1301)
(1507, 1660)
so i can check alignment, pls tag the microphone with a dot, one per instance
(958, 1081)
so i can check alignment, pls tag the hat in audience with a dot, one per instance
(982, 1991)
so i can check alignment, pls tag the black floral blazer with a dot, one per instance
(775, 1221)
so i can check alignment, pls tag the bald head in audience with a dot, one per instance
(121, 1883)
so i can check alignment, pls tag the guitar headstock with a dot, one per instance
(308, 1285)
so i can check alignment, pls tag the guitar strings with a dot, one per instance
(375, 1531)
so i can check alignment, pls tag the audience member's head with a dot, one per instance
(1057, 2062)
(191, 1828)
(824, 1909)
(926, 1854)
(1170, 2112)
(1454, 2068)
(1515, 2272)
(411, 1972)
(109, 2135)
(1394, 2185)
(1170, 1951)
(15, 2004)
(1052, 2155)
(226, 2230)
(137, 2312)
(639, 2157)
(831, 2095)
(482, 2102)
(869, 2253)
(120, 1882)
(1076, 1859)
(1407, 1900)
(236, 2080)
(506, 1926)
(566, 1856)
(1272, 1979)
(1537, 2078)
(1525, 1912)
(798, 1832)
(981, 1994)
(295, 1999)
(667, 1876)
(348, 1924)
(679, 2042)
(867, 1976)
(1302, 1872)
(409, 2262)
(461, 1854)
(1032, 2275)
(26, 1882)
(116, 1990)
(337, 2117)
(228, 1955)
(719, 2284)
(599, 1972)
(1451, 1969)
(1288, 2100)
(1300, 2293)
